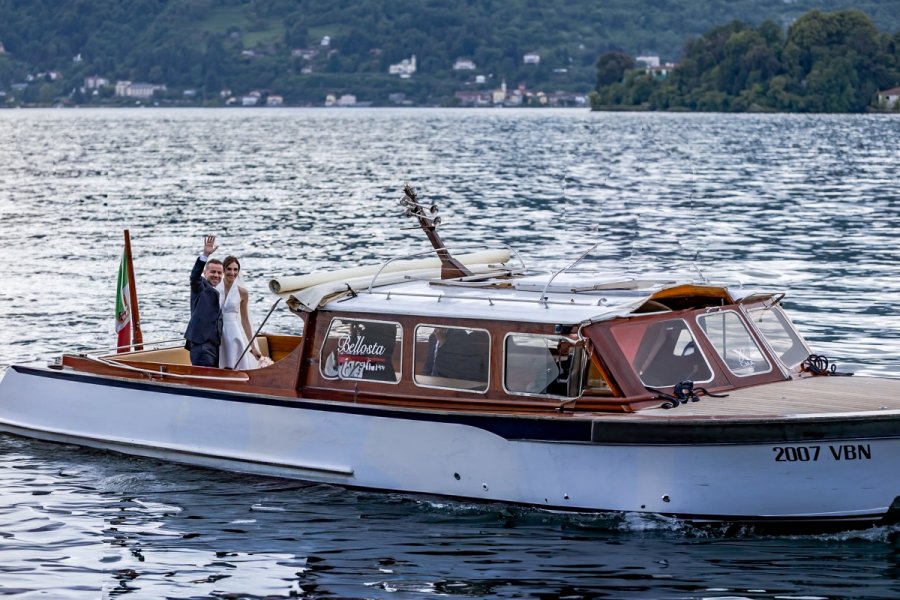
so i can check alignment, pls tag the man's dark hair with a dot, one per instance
(212, 261)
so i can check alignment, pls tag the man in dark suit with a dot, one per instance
(457, 354)
(204, 330)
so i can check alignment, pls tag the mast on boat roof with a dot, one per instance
(428, 221)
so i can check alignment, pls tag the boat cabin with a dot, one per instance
(517, 340)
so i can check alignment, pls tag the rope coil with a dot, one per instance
(819, 364)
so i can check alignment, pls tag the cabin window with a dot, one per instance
(362, 351)
(779, 332)
(662, 352)
(734, 344)
(452, 357)
(541, 364)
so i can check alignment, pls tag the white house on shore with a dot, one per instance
(890, 99)
(405, 68)
(128, 89)
(94, 82)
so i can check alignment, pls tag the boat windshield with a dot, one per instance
(734, 343)
(662, 352)
(780, 333)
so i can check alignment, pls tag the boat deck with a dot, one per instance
(804, 397)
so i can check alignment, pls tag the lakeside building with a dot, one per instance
(498, 97)
(95, 82)
(405, 68)
(251, 99)
(531, 58)
(128, 89)
(346, 100)
(647, 61)
(889, 99)
(304, 53)
(464, 64)
(519, 96)
(473, 98)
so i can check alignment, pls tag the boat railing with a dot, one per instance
(486, 298)
(161, 372)
(381, 269)
(543, 299)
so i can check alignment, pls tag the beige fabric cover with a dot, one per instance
(285, 285)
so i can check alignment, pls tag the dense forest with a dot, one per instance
(824, 62)
(303, 49)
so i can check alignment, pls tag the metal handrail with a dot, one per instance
(486, 298)
(392, 260)
(543, 298)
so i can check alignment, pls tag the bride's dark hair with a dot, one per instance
(231, 259)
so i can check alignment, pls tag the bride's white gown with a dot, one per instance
(234, 340)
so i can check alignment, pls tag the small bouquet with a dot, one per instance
(264, 361)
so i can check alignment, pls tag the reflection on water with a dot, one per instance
(810, 204)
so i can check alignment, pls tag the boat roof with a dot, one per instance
(496, 291)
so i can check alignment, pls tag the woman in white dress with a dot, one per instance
(235, 320)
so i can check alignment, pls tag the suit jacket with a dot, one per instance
(461, 356)
(206, 315)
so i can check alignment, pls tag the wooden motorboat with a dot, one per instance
(475, 377)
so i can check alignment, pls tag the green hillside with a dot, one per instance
(205, 46)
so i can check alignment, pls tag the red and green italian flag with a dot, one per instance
(123, 307)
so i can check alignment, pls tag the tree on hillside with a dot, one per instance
(611, 68)
(833, 62)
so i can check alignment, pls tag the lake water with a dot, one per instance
(805, 203)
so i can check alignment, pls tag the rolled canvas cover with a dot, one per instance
(284, 285)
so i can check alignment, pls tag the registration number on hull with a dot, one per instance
(840, 452)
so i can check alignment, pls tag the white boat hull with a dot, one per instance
(410, 451)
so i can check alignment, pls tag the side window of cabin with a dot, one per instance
(662, 352)
(781, 335)
(544, 365)
(734, 344)
(362, 350)
(452, 357)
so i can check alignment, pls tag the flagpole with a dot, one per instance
(138, 338)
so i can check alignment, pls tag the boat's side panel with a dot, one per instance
(845, 479)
